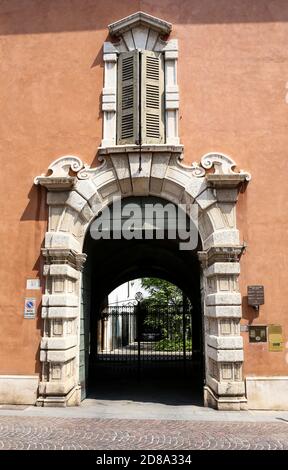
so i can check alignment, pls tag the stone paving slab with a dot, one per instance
(53, 433)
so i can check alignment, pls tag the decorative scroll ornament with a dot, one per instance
(60, 170)
(197, 170)
(87, 172)
(62, 166)
(194, 169)
(223, 165)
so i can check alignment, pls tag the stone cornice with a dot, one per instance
(218, 254)
(56, 183)
(63, 256)
(226, 181)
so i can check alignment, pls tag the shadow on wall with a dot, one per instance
(36, 208)
(39, 327)
(37, 211)
(42, 16)
(248, 313)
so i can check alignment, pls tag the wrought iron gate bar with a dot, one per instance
(133, 336)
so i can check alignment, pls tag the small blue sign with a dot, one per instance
(30, 308)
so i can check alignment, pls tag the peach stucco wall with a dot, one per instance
(233, 61)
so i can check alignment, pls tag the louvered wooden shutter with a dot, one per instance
(128, 98)
(152, 98)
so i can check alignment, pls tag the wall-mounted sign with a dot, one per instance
(244, 328)
(258, 334)
(275, 337)
(33, 284)
(30, 308)
(255, 295)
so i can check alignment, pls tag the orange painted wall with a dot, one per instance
(233, 61)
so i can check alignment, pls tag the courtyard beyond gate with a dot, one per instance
(144, 341)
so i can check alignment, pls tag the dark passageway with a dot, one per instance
(109, 264)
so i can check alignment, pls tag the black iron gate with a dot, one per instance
(144, 339)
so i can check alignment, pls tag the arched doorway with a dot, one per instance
(106, 351)
(76, 194)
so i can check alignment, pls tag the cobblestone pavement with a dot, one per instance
(107, 434)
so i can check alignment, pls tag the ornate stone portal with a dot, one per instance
(76, 194)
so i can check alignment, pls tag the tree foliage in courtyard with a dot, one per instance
(162, 293)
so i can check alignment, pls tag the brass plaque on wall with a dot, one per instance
(275, 338)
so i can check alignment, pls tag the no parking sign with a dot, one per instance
(30, 308)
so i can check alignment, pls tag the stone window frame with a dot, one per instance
(140, 31)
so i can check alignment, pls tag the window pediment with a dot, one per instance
(139, 20)
(141, 31)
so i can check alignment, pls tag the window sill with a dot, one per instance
(177, 149)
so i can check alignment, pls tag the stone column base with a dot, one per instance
(224, 403)
(73, 398)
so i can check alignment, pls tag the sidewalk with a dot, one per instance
(128, 409)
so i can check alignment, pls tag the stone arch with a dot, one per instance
(76, 194)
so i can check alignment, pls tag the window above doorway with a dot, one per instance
(140, 96)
